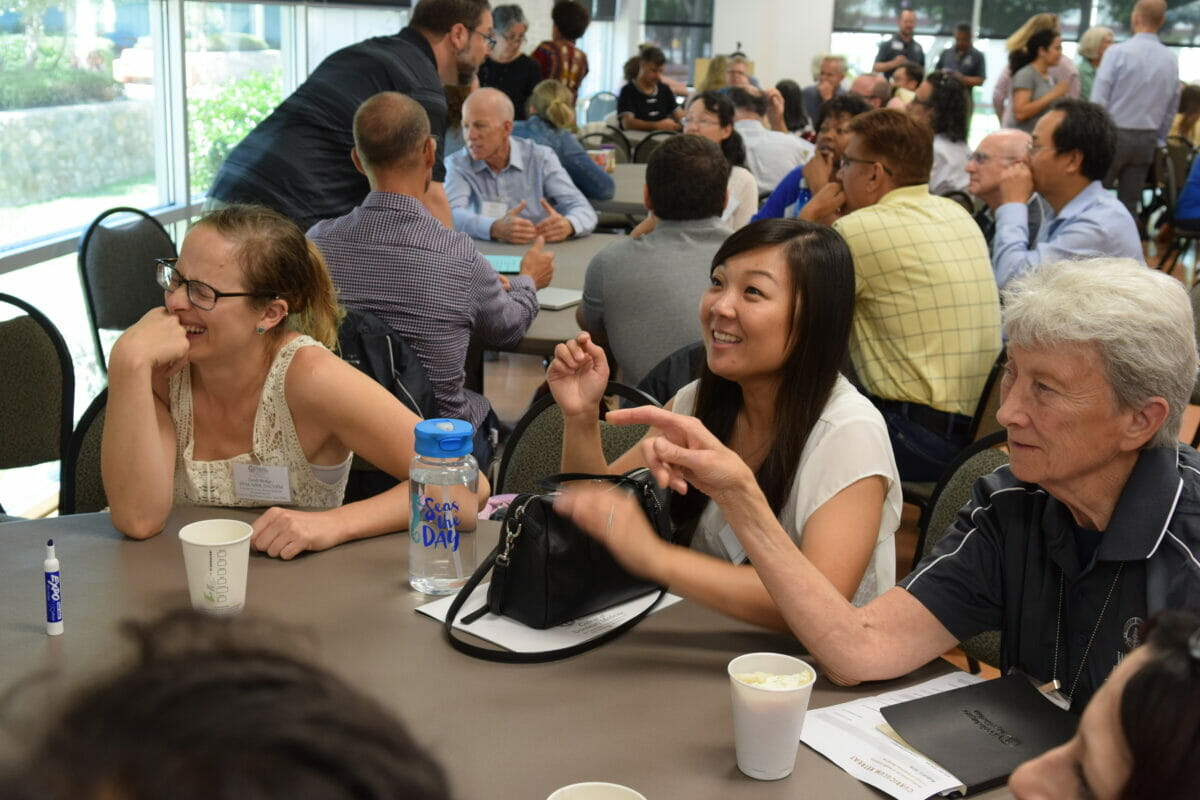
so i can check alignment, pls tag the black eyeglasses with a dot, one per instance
(846, 161)
(200, 294)
(490, 38)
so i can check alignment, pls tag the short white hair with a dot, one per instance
(1139, 319)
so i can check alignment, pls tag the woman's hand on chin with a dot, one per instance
(157, 340)
(611, 516)
(285, 533)
(687, 452)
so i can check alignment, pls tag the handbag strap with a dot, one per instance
(513, 657)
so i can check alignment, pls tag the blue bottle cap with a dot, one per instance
(445, 438)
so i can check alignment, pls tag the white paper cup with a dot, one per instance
(595, 791)
(215, 554)
(767, 721)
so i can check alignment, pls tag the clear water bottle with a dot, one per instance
(443, 478)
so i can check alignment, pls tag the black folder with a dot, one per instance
(982, 732)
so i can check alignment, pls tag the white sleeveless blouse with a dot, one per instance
(210, 483)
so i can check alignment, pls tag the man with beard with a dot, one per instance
(295, 160)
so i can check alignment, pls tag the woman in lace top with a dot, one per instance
(776, 324)
(229, 395)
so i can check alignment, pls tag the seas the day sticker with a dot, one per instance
(262, 483)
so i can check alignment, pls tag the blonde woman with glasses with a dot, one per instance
(228, 395)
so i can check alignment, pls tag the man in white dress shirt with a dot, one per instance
(770, 155)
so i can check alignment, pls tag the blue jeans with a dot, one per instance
(922, 454)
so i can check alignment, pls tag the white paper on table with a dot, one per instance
(513, 635)
(848, 735)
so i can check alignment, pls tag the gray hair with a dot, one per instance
(1089, 43)
(1139, 319)
(504, 17)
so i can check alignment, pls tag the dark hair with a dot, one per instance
(841, 104)
(279, 260)
(504, 17)
(208, 712)
(716, 102)
(747, 101)
(904, 145)
(1038, 41)
(392, 128)
(822, 273)
(571, 18)
(1189, 109)
(687, 176)
(1088, 128)
(963, 27)
(913, 70)
(649, 54)
(439, 16)
(794, 118)
(1160, 710)
(948, 106)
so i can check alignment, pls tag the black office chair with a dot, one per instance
(37, 393)
(646, 147)
(116, 269)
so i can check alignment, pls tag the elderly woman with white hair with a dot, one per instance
(1092, 527)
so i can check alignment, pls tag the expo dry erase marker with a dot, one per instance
(54, 620)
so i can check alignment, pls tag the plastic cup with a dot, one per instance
(216, 553)
(767, 721)
(595, 790)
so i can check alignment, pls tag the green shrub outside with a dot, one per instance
(232, 41)
(217, 123)
(52, 81)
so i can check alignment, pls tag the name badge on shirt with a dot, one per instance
(259, 482)
(733, 548)
(493, 208)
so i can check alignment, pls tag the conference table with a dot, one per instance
(571, 259)
(650, 710)
(627, 199)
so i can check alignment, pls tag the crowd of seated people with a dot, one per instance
(849, 314)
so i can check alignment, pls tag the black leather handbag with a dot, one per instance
(546, 571)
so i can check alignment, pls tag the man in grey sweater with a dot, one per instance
(641, 295)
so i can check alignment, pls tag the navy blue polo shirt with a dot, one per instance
(970, 63)
(297, 160)
(1001, 565)
(890, 48)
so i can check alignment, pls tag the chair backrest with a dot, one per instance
(534, 448)
(673, 373)
(1172, 162)
(116, 269)
(37, 392)
(984, 421)
(82, 484)
(646, 147)
(594, 140)
(598, 106)
(952, 493)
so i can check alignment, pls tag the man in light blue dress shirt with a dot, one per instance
(510, 189)
(1138, 84)
(1071, 151)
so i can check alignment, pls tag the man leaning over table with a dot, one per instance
(510, 189)
(1090, 530)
